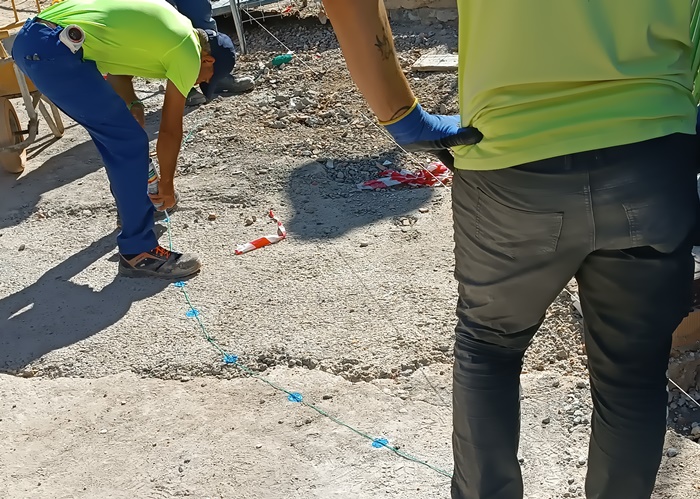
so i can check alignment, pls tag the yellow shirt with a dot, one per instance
(545, 78)
(146, 38)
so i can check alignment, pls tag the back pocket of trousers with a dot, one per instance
(514, 232)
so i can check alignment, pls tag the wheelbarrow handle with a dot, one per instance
(441, 148)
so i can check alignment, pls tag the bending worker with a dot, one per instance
(586, 170)
(125, 38)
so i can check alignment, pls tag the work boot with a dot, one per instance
(235, 85)
(195, 98)
(160, 263)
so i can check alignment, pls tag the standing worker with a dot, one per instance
(586, 170)
(65, 51)
(200, 14)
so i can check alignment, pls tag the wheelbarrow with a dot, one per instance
(13, 84)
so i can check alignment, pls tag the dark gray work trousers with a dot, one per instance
(619, 220)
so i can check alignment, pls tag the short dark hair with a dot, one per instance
(203, 41)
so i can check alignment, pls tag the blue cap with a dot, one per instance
(224, 54)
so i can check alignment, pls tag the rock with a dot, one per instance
(123, 402)
(185, 379)
(212, 216)
(578, 414)
(546, 420)
(581, 461)
(340, 175)
(695, 431)
(327, 397)
(86, 213)
(258, 446)
(405, 222)
(180, 469)
(562, 354)
(403, 411)
(297, 104)
(580, 384)
(248, 221)
(264, 171)
(423, 210)
(556, 383)
(103, 431)
(364, 244)
(278, 125)
(672, 452)
(305, 101)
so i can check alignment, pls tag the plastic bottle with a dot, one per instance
(153, 180)
(281, 59)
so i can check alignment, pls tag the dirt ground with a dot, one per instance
(110, 390)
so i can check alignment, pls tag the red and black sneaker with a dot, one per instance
(160, 263)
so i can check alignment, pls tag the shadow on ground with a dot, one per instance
(19, 196)
(325, 209)
(55, 312)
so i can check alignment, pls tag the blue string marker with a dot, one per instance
(379, 443)
(231, 359)
(295, 397)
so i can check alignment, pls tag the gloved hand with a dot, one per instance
(419, 126)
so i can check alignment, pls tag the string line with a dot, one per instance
(231, 359)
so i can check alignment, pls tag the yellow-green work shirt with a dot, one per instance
(146, 38)
(545, 78)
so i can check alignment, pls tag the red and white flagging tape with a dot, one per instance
(266, 240)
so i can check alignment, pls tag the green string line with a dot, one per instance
(248, 371)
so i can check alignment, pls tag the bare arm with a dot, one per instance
(170, 134)
(363, 31)
(124, 87)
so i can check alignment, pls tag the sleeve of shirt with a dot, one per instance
(182, 65)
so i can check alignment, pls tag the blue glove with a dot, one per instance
(419, 126)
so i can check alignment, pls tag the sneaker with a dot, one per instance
(195, 98)
(160, 263)
(234, 85)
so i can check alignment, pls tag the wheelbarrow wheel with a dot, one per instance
(10, 134)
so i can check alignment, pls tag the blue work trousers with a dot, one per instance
(197, 11)
(78, 88)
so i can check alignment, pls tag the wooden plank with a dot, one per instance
(436, 62)
(688, 332)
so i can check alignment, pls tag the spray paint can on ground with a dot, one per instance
(153, 180)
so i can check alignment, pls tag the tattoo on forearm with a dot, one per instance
(384, 45)
(399, 112)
